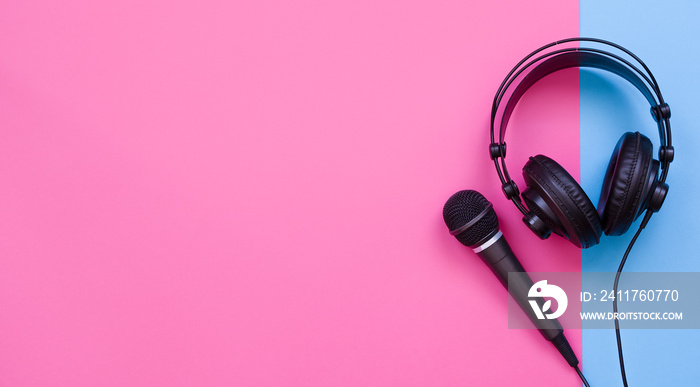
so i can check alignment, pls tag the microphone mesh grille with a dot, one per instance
(464, 206)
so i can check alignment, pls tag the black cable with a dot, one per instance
(617, 280)
(583, 378)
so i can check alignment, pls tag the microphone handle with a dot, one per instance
(499, 257)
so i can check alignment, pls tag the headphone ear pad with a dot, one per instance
(626, 181)
(555, 194)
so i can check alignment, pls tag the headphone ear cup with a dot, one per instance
(630, 176)
(555, 196)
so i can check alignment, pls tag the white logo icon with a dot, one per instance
(542, 289)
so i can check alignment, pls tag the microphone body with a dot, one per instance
(471, 219)
(499, 257)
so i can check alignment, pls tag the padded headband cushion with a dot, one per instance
(566, 200)
(622, 195)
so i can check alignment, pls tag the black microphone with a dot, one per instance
(472, 220)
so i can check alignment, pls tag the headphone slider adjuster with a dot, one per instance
(666, 154)
(510, 189)
(497, 150)
(661, 112)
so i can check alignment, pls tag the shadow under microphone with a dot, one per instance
(471, 219)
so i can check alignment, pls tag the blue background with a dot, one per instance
(664, 35)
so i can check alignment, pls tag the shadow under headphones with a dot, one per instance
(634, 181)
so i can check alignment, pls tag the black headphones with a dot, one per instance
(634, 182)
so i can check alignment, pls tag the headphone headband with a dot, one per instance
(568, 58)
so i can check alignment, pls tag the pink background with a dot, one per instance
(250, 193)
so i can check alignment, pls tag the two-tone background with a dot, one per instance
(249, 193)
